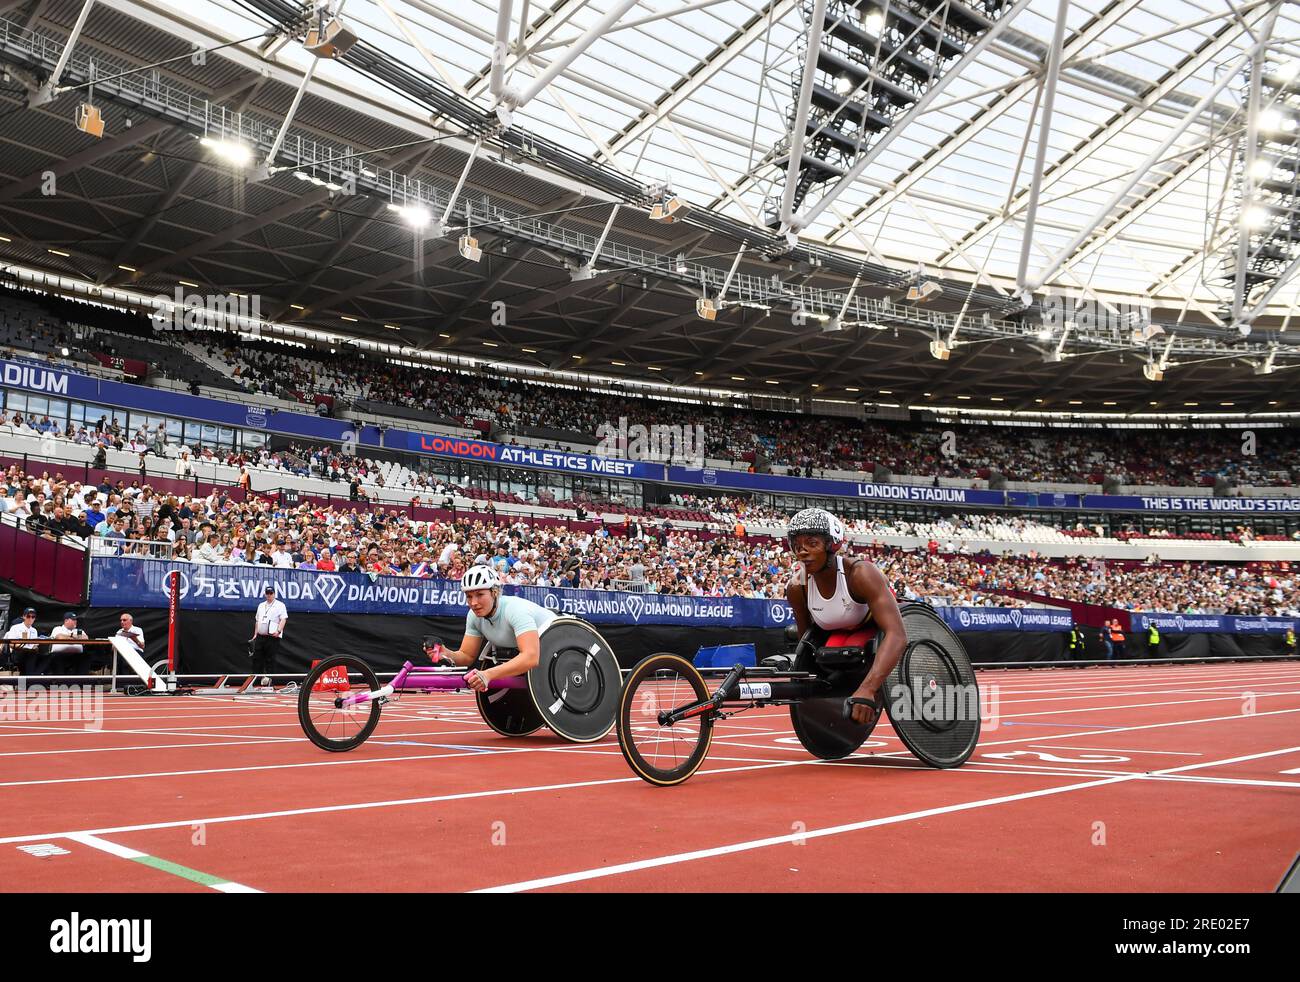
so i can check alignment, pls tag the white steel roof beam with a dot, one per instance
(1105, 210)
(998, 108)
(1044, 136)
(699, 76)
(1117, 125)
(809, 215)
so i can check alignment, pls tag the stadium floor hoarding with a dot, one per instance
(143, 583)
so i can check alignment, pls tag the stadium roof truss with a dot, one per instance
(1103, 158)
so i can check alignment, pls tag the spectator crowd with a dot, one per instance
(649, 555)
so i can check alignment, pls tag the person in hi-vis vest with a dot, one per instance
(1077, 649)
(1117, 638)
(1153, 640)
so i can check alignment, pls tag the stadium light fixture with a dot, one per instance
(90, 120)
(469, 248)
(707, 308)
(1256, 217)
(873, 20)
(923, 291)
(940, 351)
(416, 216)
(1276, 121)
(667, 207)
(231, 151)
(329, 37)
(1261, 169)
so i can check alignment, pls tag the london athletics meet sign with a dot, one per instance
(55, 381)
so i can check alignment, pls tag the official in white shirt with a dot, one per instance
(267, 632)
(66, 659)
(28, 657)
(126, 630)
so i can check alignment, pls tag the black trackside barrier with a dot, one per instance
(1125, 662)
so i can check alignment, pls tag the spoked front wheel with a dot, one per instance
(325, 719)
(663, 755)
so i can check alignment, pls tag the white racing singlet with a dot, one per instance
(838, 612)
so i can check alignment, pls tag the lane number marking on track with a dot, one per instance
(1055, 759)
(42, 850)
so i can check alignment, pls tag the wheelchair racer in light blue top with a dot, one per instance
(506, 622)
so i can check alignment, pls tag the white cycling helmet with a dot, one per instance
(480, 578)
(816, 521)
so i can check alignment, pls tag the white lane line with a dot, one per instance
(736, 847)
(572, 785)
(1117, 750)
(162, 865)
(103, 845)
(507, 791)
(1069, 711)
(225, 741)
(333, 761)
(366, 805)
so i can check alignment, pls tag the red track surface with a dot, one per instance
(1145, 779)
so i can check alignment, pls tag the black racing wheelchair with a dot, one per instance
(667, 709)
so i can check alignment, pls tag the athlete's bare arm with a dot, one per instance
(868, 585)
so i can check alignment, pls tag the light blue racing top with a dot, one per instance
(513, 616)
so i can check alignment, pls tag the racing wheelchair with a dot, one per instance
(667, 709)
(573, 690)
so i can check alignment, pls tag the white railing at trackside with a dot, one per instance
(102, 548)
(633, 586)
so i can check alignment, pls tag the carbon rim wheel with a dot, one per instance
(509, 712)
(663, 755)
(329, 726)
(577, 681)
